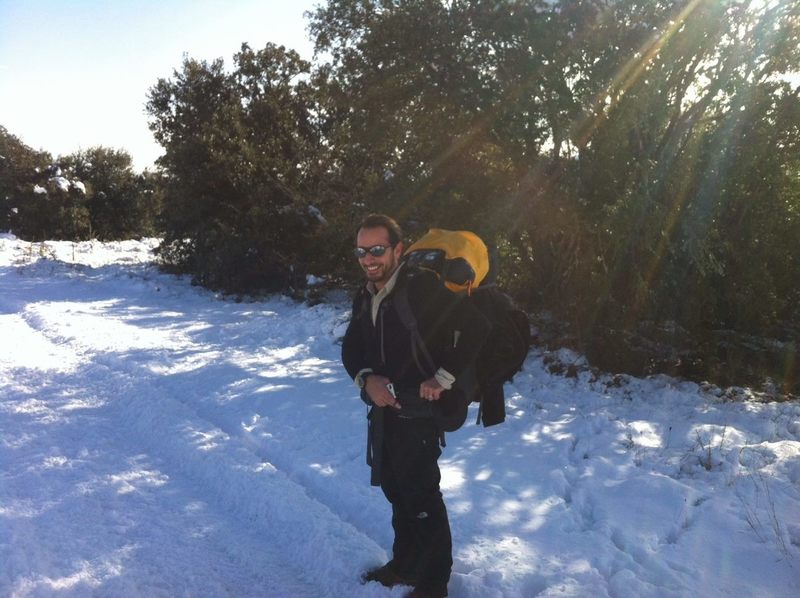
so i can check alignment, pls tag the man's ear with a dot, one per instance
(399, 249)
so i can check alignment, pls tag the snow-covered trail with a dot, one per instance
(158, 441)
(109, 483)
(89, 508)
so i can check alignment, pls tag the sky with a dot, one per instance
(159, 440)
(74, 75)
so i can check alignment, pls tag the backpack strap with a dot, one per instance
(409, 321)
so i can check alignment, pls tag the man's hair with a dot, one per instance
(383, 221)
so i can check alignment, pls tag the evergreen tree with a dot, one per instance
(22, 170)
(119, 202)
(239, 149)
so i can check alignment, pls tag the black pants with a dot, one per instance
(410, 477)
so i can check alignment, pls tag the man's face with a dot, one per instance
(378, 269)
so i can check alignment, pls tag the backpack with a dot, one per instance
(461, 260)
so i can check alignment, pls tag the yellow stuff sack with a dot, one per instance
(459, 257)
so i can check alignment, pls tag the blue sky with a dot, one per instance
(75, 74)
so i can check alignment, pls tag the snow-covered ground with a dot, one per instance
(156, 440)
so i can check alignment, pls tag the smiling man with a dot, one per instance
(379, 251)
(378, 352)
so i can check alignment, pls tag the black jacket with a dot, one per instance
(386, 346)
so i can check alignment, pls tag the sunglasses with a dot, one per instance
(374, 251)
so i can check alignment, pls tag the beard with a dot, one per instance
(382, 273)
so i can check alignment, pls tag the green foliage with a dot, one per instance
(88, 194)
(21, 169)
(634, 162)
(436, 113)
(685, 164)
(240, 151)
(121, 203)
(37, 200)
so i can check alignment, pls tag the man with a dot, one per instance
(378, 353)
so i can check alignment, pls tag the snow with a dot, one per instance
(60, 182)
(157, 440)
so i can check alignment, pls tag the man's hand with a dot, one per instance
(430, 390)
(378, 393)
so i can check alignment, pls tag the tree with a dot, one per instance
(634, 162)
(239, 152)
(21, 170)
(411, 94)
(681, 144)
(88, 193)
(38, 201)
(119, 202)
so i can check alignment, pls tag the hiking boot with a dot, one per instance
(422, 593)
(386, 576)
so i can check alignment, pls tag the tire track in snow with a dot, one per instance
(71, 338)
(274, 456)
(241, 482)
(316, 486)
(85, 509)
(253, 491)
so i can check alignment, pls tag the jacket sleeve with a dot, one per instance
(354, 354)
